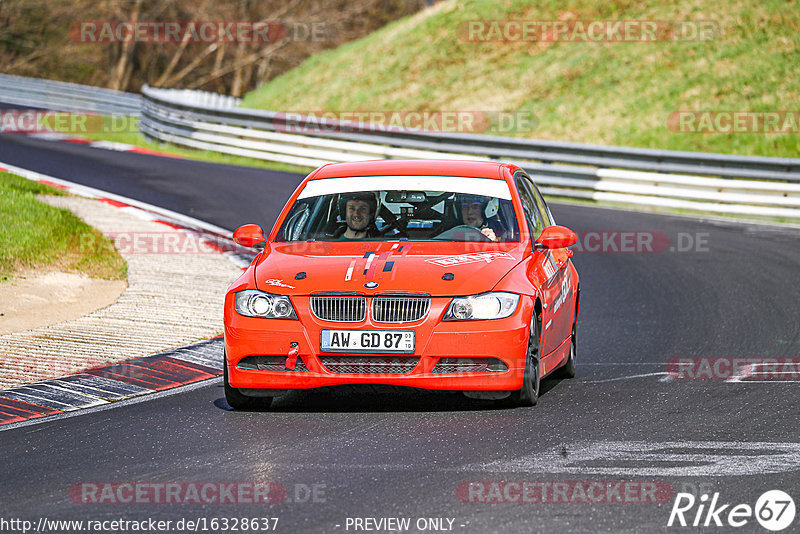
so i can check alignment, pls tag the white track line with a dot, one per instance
(625, 378)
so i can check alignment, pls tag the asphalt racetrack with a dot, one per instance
(608, 451)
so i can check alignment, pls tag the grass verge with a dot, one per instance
(34, 235)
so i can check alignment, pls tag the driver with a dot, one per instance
(473, 211)
(359, 216)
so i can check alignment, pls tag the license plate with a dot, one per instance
(367, 341)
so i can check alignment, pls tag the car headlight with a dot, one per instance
(485, 306)
(254, 303)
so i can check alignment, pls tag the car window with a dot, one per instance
(542, 205)
(532, 214)
(471, 210)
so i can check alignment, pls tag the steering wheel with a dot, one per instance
(462, 228)
(393, 221)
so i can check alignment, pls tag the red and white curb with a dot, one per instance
(139, 376)
(106, 145)
(112, 383)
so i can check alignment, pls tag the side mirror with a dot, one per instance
(556, 237)
(250, 235)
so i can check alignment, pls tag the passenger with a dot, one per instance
(473, 213)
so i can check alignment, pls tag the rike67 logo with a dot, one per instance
(774, 511)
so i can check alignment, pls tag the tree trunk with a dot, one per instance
(121, 72)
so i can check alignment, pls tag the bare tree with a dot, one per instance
(35, 40)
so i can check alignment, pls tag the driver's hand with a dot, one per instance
(488, 232)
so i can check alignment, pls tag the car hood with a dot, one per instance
(419, 267)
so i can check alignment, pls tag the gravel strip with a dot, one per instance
(172, 300)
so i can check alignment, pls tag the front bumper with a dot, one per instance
(504, 339)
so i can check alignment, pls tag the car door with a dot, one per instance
(545, 260)
(564, 305)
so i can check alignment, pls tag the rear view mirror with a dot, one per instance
(250, 235)
(557, 237)
(411, 197)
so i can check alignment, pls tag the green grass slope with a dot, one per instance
(35, 235)
(616, 93)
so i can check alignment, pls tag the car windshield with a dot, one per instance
(416, 208)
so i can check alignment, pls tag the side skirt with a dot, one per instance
(556, 359)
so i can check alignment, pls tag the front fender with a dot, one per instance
(526, 278)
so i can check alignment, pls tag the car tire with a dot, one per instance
(568, 369)
(528, 395)
(236, 399)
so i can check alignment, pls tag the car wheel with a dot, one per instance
(528, 395)
(568, 370)
(236, 399)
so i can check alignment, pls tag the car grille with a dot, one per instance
(469, 365)
(269, 363)
(369, 365)
(400, 309)
(340, 309)
(385, 309)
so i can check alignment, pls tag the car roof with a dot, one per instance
(476, 169)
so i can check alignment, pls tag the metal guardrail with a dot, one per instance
(195, 98)
(63, 96)
(721, 183)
